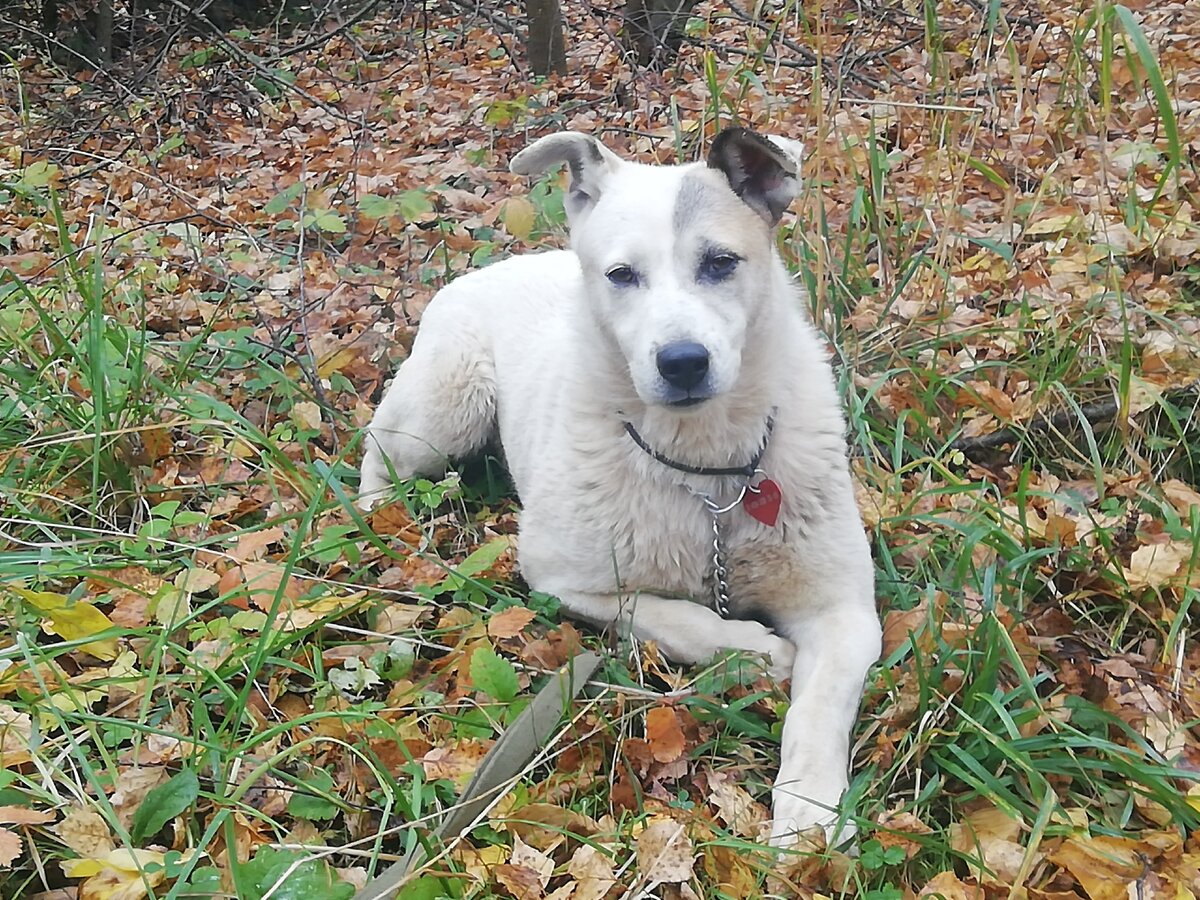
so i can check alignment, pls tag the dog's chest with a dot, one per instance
(668, 540)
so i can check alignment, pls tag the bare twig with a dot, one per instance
(1092, 413)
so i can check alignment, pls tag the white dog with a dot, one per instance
(657, 389)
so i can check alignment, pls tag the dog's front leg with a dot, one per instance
(834, 650)
(685, 631)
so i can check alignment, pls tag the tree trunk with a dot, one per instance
(654, 29)
(104, 33)
(546, 47)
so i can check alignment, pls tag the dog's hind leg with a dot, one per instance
(440, 406)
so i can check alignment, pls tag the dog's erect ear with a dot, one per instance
(763, 171)
(591, 164)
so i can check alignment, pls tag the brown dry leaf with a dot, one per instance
(664, 734)
(254, 544)
(10, 847)
(457, 763)
(510, 622)
(744, 815)
(593, 873)
(522, 882)
(393, 618)
(86, 832)
(664, 852)
(262, 582)
(196, 580)
(478, 863)
(543, 825)
(532, 858)
(1181, 495)
(898, 624)
(990, 834)
(307, 414)
(133, 784)
(947, 886)
(1105, 867)
(21, 815)
(895, 828)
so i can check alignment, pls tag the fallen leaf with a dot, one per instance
(21, 815)
(664, 734)
(307, 414)
(735, 807)
(71, 620)
(990, 835)
(664, 853)
(895, 828)
(1154, 565)
(10, 847)
(510, 622)
(133, 784)
(120, 875)
(16, 728)
(519, 217)
(592, 871)
(947, 886)
(457, 763)
(1104, 866)
(85, 831)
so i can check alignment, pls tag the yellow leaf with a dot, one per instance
(1051, 224)
(1193, 797)
(519, 216)
(118, 875)
(336, 361)
(1104, 866)
(1153, 565)
(81, 868)
(72, 620)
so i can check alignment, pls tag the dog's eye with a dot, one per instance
(622, 276)
(718, 266)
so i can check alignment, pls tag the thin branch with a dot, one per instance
(1093, 413)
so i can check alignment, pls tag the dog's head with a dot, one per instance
(677, 259)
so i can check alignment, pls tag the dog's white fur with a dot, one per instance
(549, 353)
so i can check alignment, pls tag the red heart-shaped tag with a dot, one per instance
(763, 501)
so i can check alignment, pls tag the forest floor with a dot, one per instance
(218, 679)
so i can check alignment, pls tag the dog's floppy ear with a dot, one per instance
(591, 164)
(763, 171)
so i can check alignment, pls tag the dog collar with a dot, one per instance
(761, 501)
(746, 471)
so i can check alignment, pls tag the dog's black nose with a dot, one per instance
(683, 364)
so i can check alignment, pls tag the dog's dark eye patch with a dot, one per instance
(717, 265)
(622, 276)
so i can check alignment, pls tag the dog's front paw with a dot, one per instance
(754, 637)
(374, 479)
(793, 834)
(799, 823)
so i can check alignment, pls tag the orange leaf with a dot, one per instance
(664, 734)
(510, 622)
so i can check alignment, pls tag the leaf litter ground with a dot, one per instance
(217, 678)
